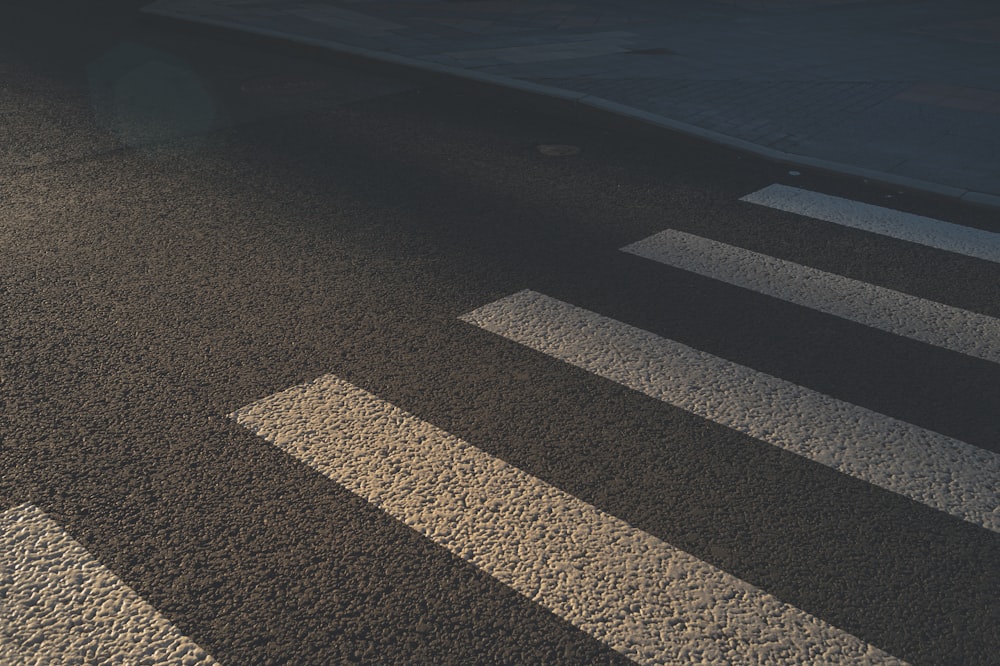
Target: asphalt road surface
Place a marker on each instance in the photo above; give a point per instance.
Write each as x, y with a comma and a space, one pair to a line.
307, 364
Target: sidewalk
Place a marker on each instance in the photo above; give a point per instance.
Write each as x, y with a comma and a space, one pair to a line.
902, 91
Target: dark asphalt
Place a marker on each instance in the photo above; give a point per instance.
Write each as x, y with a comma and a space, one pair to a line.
152, 284
902, 92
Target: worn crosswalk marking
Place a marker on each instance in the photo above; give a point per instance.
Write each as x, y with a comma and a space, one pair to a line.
879, 220
909, 316
58, 605
925, 466
648, 600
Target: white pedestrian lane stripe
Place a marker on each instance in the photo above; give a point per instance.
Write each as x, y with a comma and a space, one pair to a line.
879, 220
646, 599
925, 466
909, 316
58, 605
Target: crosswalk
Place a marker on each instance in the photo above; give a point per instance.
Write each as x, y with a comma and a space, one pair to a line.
925, 466
649, 600
879, 220
61, 606
860, 302
621, 585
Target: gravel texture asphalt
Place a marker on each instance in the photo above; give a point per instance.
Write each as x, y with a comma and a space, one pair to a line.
162, 269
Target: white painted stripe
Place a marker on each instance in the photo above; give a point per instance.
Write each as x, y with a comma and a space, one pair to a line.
58, 605
645, 598
925, 466
902, 314
885, 221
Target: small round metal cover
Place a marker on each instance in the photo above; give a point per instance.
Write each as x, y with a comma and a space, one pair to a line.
282, 85
557, 149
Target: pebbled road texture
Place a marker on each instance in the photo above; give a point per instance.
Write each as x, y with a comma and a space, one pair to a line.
158, 276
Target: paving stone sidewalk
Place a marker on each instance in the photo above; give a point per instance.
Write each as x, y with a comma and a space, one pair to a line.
905, 91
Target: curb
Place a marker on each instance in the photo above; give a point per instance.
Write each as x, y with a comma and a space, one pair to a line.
577, 104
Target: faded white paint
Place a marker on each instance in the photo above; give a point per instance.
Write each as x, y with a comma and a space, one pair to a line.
925, 466
58, 605
876, 219
885, 309
645, 598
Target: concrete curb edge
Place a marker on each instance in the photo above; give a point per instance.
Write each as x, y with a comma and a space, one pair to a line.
574, 100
